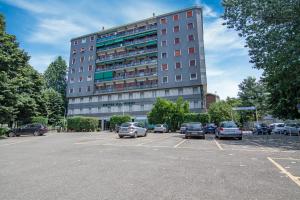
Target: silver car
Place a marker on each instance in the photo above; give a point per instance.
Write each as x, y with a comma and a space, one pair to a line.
277, 128
292, 129
228, 129
161, 128
132, 129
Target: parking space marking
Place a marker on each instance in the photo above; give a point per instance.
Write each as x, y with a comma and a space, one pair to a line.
151, 140
218, 145
288, 158
284, 171
181, 142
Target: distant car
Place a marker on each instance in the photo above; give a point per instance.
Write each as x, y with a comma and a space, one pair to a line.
194, 129
210, 128
35, 129
292, 129
183, 128
261, 129
277, 128
132, 129
228, 129
161, 128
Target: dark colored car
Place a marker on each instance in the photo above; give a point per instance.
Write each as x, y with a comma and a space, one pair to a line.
194, 129
210, 128
35, 129
262, 129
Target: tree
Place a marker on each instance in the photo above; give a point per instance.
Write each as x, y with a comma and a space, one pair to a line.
118, 120
54, 105
220, 111
272, 33
168, 112
55, 77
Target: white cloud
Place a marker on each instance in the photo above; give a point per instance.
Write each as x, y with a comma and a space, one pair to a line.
41, 61
208, 11
211, 72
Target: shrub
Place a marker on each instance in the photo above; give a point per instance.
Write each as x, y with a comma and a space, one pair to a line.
4, 131
79, 123
118, 120
197, 117
40, 120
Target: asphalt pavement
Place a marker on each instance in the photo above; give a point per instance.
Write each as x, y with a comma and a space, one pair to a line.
93, 166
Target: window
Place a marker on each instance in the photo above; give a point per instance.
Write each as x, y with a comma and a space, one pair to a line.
164, 67
176, 29
88, 90
142, 107
142, 95
83, 40
119, 96
177, 53
153, 93
165, 79
72, 71
130, 95
82, 49
192, 63
164, 55
92, 38
180, 91
99, 98
81, 69
191, 38
164, 31
191, 50
189, 14
163, 20
89, 78
82, 59
193, 76
79, 90
195, 90
109, 97
178, 78
119, 108
91, 48
91, 58
130, 108
190, 25
164, 43
73, 61
90, 67
176, 40
196, 104
167, 92
75, 42
80, 79
177, 65
71, 90
175, 17
72, 80
108, 109
74, 51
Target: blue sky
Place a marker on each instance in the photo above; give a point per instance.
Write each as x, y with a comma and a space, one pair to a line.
44, 29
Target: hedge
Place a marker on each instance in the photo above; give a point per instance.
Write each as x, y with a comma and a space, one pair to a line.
40, 120
85, 124
197, 117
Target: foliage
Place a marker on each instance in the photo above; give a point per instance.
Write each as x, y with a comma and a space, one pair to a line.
168, 112
54, 105
118, 120
40, 120
272, 33
220, 111
78, 123
4, 131
55, 77
204, 118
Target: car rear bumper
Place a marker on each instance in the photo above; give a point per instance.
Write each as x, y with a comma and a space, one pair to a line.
231, 135
126, 133
194, 133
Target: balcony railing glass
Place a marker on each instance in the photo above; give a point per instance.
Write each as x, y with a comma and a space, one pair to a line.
128, 76
132, 64
127, 88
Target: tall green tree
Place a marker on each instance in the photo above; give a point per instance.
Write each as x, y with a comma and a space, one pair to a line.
272, 33
55, 76
221, 111
54, 105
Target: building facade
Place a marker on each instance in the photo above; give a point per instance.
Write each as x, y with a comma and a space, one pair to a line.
123, 70
211, 98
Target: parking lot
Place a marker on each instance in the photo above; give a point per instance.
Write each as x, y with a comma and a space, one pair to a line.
159, 166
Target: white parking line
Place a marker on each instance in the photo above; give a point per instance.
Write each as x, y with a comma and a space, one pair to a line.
181, 142
292, 177
218, 145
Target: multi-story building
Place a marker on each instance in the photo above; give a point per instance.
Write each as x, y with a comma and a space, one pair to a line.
123, 70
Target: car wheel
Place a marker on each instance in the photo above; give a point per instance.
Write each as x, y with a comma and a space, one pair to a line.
135, 135
154, 131
186, 137
120, 136
145, 134
18, 135
11, 134
36, 133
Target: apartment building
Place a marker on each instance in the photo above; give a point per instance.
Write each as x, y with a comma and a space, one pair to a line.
122, 70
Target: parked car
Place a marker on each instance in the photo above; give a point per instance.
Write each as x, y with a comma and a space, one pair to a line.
35, 129
228, 129
117, 128
161, 128
292, 129
261, 129
210, 128
132, 129
183, 128
194, 129
277, 128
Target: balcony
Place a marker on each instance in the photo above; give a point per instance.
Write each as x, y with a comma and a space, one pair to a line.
127, 88
127, 76
137, 42
127, 33
129, 65
126, 55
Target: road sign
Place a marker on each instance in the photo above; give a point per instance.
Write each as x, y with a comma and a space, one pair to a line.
245, 108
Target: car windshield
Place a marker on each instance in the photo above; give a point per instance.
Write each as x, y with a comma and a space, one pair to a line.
280, 125
159, 125
229, 125
198, 125
126, 124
